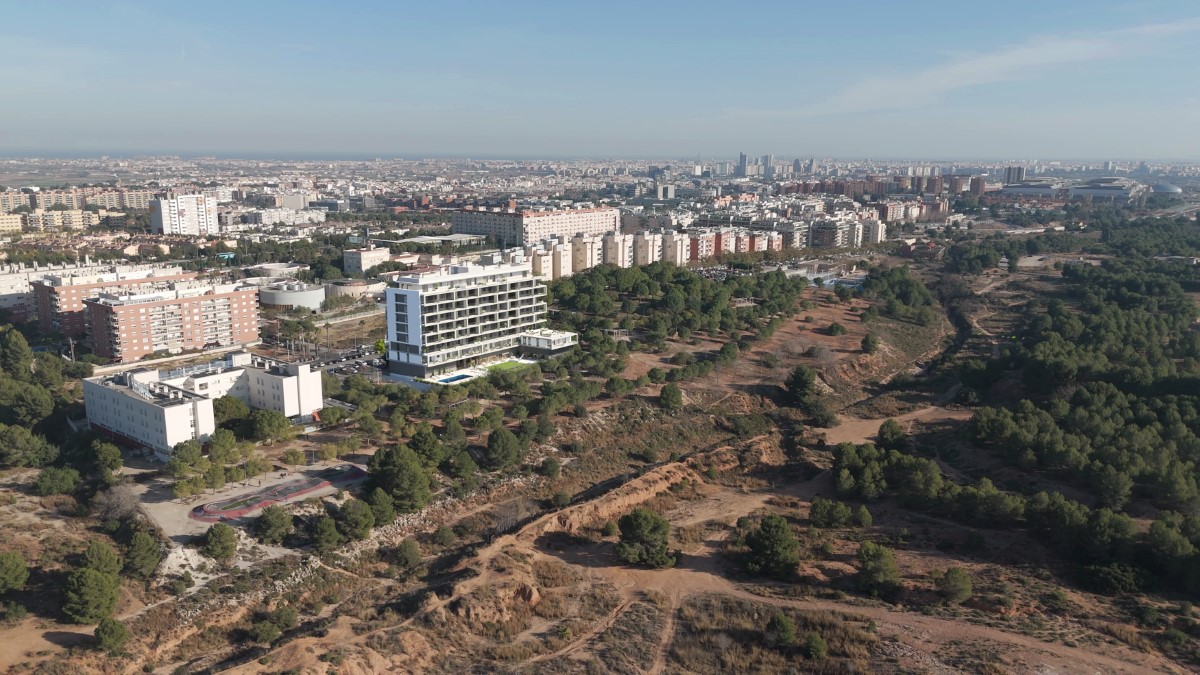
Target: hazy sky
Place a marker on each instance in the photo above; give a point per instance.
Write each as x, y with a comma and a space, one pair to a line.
885, 79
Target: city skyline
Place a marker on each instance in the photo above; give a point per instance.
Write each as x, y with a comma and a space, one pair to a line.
541, 80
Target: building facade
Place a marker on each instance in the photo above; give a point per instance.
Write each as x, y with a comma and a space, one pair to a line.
158, 410
363, 260
460, 315
191, 215
523, 227
60, 297
182, 316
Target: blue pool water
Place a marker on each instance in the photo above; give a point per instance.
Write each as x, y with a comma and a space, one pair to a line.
455, 378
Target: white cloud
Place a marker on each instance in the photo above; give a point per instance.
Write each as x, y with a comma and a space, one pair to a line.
1032, 58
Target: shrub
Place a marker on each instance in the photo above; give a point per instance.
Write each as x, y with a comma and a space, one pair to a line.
111, 635
90, 595
13, 571
781, 631
408, 553
325, 535
220, 542
877, 567
814, 647
143, 555
273, 525
383, 506
101, 557
955, 585
444, 536
774, 550
644, 537
560, 499
355, 519
829, 513
550, 468
265, 632
55, 480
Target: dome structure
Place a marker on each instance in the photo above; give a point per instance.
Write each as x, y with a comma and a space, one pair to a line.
1165, 188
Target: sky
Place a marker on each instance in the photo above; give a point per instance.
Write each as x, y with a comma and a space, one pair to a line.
884, 79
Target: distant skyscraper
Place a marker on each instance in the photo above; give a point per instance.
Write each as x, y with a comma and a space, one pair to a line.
1014, 174
1110, 166
978, 185
768, 161
743, 161
812, 166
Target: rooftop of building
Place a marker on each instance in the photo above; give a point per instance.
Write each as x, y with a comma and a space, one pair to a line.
110, 275
166, 388
415, 279
169, 291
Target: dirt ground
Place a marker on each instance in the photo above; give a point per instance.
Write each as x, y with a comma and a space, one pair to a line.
855, 430
911, 640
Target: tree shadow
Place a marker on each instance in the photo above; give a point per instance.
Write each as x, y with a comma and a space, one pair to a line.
66, 639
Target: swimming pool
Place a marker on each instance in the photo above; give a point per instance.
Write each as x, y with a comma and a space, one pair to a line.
454, 378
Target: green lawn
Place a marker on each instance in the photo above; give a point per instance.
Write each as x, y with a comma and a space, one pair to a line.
508, 365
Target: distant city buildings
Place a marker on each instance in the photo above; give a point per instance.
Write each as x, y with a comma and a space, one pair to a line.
529, 226
1014, 174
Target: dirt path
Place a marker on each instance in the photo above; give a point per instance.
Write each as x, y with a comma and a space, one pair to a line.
584, 638
856, 430
668, 637
700, 574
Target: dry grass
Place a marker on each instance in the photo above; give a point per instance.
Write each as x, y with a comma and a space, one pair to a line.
552, 573
720, 634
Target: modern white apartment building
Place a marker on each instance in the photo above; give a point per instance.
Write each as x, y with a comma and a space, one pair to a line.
551, 259
529, 226
460, 315
193, 215
159, 409
285, 216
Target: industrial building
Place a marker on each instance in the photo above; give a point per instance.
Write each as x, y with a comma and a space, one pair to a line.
158, 410
1116, 190
292, 295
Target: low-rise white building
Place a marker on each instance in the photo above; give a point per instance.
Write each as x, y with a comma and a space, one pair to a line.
159, 409
361, 260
